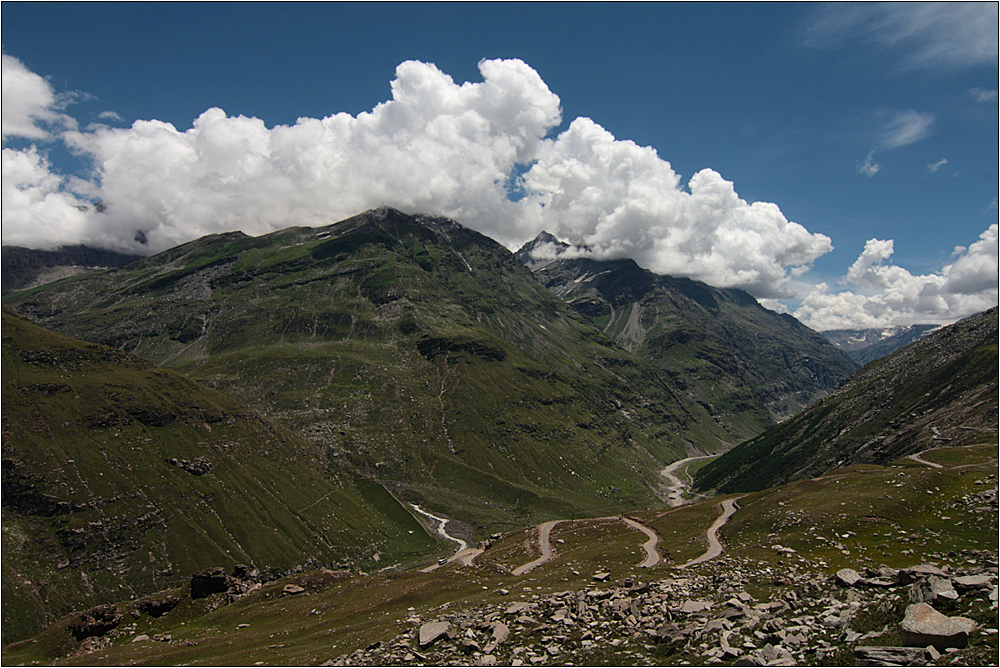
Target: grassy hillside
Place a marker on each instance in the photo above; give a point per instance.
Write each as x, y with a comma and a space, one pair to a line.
939, 391
416, 351
121, 479
782, 548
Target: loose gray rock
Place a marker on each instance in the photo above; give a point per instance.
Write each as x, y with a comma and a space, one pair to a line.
890, 656
923, 625
848, 577
970, 582
914, 573
431, 631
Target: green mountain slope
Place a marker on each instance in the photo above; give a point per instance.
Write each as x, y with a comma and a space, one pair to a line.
414, 350
749, 366
121, 479
939, 391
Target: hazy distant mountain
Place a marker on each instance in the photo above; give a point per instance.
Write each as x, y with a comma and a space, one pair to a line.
865, 345
744, 363
25, 267
939, 391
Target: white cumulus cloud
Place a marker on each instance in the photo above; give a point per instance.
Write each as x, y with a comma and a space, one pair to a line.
445, 148
435, 147
881, 294
30, 106
37, 210
622, 200
454, 149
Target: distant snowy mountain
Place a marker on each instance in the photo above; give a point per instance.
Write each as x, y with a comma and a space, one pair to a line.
865, 345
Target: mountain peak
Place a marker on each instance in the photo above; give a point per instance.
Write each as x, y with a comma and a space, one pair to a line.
543, 249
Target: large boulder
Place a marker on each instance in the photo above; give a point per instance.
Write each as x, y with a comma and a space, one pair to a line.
96, 621
848, 577
923, 625
210, 581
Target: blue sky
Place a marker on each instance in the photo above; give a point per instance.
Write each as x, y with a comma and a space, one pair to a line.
859, 122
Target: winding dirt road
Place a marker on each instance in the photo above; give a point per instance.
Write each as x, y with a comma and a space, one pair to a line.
544, 531
675, 486
464, 555
545, 543
917, 458
714, 546
652, 555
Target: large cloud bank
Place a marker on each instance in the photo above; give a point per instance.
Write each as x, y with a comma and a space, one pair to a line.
483, 153
437, 147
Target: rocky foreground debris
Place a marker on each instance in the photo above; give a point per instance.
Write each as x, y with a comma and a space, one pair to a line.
711, 617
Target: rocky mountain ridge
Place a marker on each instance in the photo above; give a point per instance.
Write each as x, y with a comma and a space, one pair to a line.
25, 268
731, 354
941, 390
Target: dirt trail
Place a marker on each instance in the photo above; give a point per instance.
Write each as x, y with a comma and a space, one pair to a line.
545, 543
675, 486
544, 531
714, 546
652, 556
917, 458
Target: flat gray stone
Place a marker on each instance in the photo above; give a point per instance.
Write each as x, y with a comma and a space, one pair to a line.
968, 582
894, 656
500, 632
517, 608
848, 577
923, 625
695, 606
914, 573
431, 631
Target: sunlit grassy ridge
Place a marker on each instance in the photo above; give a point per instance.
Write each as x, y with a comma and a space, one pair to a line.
98, 504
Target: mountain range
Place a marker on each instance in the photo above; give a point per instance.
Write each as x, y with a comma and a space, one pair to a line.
411, 350
865, 345
747, 363
285, 403
424, 355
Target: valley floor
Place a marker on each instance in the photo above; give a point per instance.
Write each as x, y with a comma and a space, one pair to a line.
810, 573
